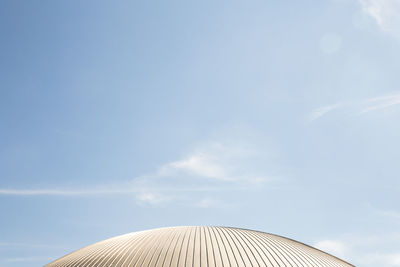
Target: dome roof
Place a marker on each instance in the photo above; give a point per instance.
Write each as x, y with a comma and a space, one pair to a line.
198, 246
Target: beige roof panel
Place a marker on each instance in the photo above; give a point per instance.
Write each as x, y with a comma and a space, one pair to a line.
199, 246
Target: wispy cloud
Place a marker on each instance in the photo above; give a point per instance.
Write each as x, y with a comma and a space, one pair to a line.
198, 164
72, 192
29, 259
360, 107
390, 213
321, 111
152, 198
206, 202
213, 161
381, 102
61, 192
210, 167
385, 13
14, 245
213, 166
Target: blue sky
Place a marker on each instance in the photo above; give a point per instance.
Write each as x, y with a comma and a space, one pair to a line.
279, 116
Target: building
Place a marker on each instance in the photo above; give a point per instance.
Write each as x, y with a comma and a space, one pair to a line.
198, 246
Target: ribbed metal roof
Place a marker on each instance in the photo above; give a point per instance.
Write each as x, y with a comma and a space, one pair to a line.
198, 246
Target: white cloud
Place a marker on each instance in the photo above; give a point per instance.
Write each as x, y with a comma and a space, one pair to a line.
213, 161
360, 107
386, 13
367, 251
394, 259
129, 190
151, 198
379, 259
321, 111
206, 203
62, 192
199, 164
381, 102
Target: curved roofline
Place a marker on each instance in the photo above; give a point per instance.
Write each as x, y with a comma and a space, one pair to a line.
229, 227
